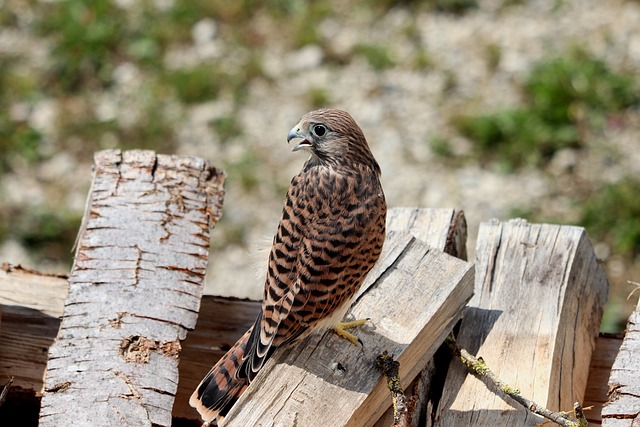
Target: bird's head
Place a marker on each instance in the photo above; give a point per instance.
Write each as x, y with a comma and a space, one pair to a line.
332, 138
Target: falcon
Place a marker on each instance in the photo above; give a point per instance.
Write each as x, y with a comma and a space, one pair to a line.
330, 235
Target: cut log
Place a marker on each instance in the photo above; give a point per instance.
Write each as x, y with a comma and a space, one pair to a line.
134, 290
623, 407
540, 292
443, 229
446, 230
414, 296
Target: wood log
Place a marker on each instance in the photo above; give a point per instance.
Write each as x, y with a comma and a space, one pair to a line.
446, 230
32, 306
414, 296
623, 406
540, 293
134, 290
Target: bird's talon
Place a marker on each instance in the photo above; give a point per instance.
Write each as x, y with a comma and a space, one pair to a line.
341, 330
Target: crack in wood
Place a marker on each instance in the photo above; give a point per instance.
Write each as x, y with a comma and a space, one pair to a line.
59, 388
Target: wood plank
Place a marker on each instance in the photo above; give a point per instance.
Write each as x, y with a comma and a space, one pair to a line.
597, 392
446, 230
32, 305
134, 290
443, 229
540, 293
414, 296
623, 407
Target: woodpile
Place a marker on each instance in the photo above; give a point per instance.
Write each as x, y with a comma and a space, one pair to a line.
128, 335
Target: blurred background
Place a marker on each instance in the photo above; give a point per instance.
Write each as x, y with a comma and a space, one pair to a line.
502, 108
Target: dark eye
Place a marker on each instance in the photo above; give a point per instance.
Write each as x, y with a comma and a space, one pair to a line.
319, 130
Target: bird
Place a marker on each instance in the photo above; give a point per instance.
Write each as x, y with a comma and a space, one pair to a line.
330, 235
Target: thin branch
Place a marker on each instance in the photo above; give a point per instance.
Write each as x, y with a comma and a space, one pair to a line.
480, 368
390, 368
5, 390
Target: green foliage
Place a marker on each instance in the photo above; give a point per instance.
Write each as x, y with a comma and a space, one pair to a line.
441, 147
454, 6
196, 84
377, 56
457, 7
244, 171
494, 56
563, 90
318, 97
89, 39
613, 214
562, 95
515, 138
48, 234
422, 60
17, 140
227, 127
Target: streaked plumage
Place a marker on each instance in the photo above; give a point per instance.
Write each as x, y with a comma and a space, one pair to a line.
330, 235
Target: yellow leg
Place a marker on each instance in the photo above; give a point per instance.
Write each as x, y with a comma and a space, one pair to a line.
341, 330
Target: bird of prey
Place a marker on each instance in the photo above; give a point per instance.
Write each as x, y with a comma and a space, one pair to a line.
330, 235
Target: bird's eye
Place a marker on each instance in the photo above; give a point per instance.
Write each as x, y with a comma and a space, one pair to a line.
319, 130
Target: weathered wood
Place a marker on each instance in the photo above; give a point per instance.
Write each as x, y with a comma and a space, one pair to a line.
220, 323
535, 315
596, 393
623, 407
414, 296
446, 230
443, 229
134, 290
32, 306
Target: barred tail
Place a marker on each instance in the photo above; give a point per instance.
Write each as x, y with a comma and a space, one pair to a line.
221, 388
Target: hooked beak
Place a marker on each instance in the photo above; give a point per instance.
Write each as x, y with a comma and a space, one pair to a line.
295, 133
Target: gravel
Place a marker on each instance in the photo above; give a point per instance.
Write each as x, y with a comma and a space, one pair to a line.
401, 109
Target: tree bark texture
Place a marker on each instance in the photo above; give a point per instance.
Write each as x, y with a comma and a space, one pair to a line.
134, 290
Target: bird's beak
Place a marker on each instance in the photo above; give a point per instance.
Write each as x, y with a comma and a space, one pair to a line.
296, 133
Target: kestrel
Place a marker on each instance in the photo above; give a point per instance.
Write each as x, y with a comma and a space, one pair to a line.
330, 235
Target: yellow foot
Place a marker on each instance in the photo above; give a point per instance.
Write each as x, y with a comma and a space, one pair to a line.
341, 330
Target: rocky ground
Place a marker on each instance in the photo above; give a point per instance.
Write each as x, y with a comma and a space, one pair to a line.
422, 68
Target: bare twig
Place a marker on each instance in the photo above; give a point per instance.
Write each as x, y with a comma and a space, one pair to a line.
479, 367
637, 287
390, 368
5, 390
